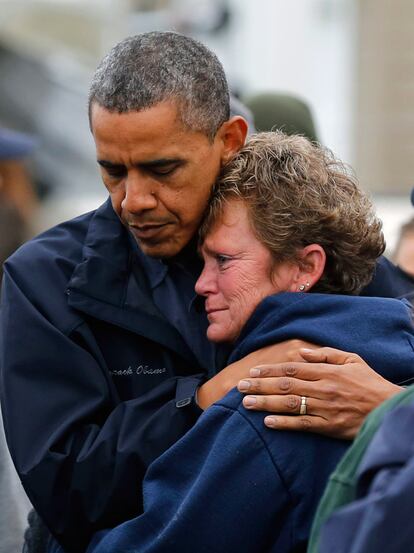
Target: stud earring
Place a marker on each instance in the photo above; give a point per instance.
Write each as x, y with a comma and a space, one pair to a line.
303, 287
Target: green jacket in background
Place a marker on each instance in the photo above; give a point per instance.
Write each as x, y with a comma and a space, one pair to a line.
342, 484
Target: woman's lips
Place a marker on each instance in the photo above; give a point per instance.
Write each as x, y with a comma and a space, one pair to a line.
212, 311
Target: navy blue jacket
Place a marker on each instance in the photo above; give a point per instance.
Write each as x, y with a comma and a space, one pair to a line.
232, 485
381, 516
390, 281
95, 383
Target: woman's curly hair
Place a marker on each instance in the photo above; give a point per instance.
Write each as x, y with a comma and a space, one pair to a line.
298, 194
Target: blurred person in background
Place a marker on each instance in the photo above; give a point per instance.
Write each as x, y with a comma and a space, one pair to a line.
17, 196
284, 112
404, 251
397, 275
102, 340
17, 202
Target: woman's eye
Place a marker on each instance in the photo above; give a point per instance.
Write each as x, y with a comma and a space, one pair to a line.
222, 260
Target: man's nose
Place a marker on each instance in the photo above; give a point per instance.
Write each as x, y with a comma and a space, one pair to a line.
206, 283
140, 194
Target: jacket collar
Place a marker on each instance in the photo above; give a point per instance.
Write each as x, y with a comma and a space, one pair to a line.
101, 284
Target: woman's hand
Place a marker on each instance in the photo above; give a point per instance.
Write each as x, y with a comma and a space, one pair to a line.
339, 387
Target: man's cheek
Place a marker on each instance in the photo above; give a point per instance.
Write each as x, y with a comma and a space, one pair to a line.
116, 200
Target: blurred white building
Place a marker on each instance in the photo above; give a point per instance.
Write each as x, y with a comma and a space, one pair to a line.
349, 59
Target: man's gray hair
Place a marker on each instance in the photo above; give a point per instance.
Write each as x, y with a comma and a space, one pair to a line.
143, 70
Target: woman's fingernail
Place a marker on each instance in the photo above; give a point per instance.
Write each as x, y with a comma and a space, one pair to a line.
244, 386
306, 350
254, 372
249, 401
270, 421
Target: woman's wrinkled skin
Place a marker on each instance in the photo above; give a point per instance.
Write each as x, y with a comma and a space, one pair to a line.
238, 273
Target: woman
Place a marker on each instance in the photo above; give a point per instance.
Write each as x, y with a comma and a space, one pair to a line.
285, 220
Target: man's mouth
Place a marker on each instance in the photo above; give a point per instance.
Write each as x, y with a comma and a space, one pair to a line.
147, 230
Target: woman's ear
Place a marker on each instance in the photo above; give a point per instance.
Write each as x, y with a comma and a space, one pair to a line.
312, 265
233, 135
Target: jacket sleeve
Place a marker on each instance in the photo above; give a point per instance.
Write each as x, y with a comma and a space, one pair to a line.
215, 490
381, 517
81, 453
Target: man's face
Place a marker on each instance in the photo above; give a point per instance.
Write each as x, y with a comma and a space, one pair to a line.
158, 173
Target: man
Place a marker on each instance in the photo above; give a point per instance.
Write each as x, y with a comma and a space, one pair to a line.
17, 196
103, 347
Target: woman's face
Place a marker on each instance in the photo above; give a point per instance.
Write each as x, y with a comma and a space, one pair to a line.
238, 273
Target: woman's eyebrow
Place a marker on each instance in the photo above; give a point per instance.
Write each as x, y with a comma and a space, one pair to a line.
205, 249
220, 251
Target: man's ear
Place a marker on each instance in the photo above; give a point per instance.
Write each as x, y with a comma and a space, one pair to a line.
311, 268
233, 134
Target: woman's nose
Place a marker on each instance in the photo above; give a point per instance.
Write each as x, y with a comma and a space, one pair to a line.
205, 284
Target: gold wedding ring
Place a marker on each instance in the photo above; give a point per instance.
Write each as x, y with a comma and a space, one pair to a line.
303, 406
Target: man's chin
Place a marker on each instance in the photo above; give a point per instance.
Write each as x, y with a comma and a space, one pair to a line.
162, 250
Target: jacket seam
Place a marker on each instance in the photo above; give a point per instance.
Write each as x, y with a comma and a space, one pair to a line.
73, 327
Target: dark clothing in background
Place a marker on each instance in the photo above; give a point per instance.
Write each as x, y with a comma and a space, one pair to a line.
390, 281
106, 381
368, 504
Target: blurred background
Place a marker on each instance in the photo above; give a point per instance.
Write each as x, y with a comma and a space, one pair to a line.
351, 61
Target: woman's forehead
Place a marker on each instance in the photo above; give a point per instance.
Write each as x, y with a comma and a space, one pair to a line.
232, 231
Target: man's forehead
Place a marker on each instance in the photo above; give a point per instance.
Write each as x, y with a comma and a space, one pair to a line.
167, 110
153, 130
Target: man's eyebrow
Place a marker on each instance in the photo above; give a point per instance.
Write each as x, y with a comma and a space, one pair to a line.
108, 164
162, 162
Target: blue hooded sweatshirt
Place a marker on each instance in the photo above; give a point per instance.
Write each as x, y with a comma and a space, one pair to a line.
231, 485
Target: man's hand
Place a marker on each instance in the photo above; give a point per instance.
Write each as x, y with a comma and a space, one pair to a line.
218, 386
339, 387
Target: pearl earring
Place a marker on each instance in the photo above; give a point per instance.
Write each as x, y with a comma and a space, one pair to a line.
302, 287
